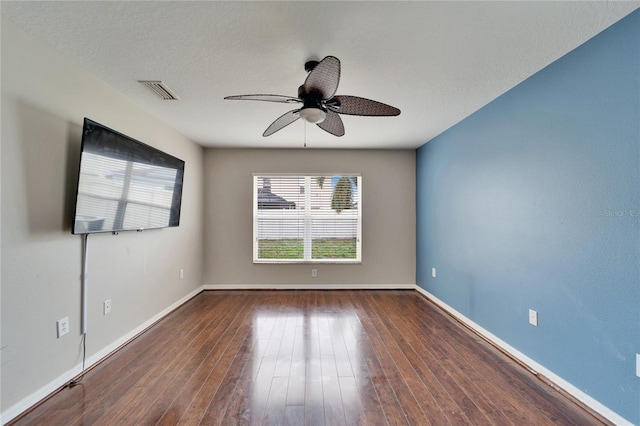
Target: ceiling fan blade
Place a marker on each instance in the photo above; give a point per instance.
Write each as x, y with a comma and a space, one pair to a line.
282, 121
354, 105
267, 98
332, 124
323, 80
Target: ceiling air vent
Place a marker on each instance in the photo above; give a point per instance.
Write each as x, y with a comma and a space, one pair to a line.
160, 89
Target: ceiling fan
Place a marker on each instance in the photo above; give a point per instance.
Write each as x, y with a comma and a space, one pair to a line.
320, 105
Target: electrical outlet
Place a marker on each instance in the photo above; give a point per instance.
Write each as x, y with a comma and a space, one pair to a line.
533, 317
433, 272
107, 306
314, 273
63, 326
181, 273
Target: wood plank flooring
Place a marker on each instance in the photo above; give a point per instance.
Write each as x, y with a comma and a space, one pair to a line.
308, 358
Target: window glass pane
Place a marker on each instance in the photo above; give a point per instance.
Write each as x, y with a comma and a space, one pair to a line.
335, 220
280, 216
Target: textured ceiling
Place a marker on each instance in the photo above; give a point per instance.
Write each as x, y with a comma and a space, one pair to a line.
436, 61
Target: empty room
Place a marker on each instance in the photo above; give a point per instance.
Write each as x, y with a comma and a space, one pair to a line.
320, 213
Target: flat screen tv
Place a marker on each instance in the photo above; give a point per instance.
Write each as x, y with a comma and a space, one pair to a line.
125, 185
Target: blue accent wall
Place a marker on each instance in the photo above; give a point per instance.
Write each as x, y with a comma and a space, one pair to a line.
533, 202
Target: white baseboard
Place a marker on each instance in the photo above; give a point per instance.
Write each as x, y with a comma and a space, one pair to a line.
37, 396
532, 365
309, 287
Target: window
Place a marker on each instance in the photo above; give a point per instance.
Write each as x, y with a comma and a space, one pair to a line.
308, 218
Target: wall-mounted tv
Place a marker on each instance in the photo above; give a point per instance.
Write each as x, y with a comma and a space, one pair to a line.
124, 184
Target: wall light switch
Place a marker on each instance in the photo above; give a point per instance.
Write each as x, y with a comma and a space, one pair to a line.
433, 272
314, 273
638, 365
533, 317
107, 306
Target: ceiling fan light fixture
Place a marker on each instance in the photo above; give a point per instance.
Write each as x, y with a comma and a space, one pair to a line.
313, 115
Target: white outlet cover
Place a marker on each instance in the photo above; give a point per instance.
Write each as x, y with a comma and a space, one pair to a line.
314, 273
638, 365
107, 307
63, 326
433, 272
533, 317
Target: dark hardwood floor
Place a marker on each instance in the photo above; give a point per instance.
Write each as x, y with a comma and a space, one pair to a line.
308, 358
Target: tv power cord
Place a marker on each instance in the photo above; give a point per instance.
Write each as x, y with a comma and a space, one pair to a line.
77, 381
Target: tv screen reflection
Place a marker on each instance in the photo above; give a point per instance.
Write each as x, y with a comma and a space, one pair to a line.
114, 194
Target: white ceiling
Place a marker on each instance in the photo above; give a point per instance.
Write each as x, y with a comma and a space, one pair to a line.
436, 61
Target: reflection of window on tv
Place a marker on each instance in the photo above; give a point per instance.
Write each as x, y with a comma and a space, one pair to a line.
127, 196
122, 187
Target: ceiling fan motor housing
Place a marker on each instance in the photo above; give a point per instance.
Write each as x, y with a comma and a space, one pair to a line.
313, 110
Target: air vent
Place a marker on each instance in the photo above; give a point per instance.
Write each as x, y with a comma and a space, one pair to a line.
160, 89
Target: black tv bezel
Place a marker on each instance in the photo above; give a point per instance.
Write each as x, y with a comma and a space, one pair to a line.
150, 149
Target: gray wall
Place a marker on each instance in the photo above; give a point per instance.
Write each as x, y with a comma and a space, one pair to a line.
388, 216
44, 100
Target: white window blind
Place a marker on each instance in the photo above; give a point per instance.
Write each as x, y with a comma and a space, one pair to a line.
307, 218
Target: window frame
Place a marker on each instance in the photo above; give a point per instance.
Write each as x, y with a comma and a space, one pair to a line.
308, 220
